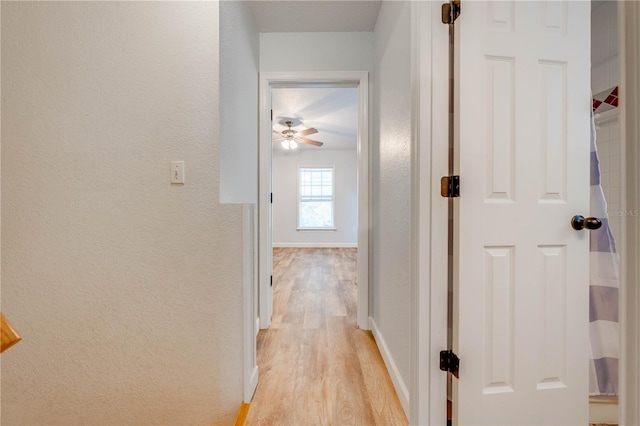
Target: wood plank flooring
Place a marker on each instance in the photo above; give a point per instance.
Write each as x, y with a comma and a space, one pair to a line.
315, 366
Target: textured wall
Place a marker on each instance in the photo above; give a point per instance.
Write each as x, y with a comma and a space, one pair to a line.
126, 289
285, 201
239, 56
391, 171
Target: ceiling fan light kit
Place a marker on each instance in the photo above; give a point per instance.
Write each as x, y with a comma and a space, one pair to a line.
290, 138
289, 144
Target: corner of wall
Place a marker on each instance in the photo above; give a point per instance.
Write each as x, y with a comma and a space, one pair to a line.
239, 63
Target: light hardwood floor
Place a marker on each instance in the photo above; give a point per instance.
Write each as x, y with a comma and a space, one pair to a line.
315, 366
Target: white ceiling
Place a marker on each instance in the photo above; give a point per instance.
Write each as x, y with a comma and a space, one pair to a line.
315, 16
332, 111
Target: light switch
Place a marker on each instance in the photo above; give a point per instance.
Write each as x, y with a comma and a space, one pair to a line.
177, 172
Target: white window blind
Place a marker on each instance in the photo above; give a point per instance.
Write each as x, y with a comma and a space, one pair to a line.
316, 199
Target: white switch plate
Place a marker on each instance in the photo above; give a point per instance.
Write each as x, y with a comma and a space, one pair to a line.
177, 172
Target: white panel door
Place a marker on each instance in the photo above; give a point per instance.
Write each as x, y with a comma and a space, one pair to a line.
523, 100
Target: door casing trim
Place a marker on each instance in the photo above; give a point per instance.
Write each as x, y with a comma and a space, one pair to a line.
629, 362
430, 153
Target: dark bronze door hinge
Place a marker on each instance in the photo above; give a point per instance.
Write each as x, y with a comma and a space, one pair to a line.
450, 12
449, 362
450, 186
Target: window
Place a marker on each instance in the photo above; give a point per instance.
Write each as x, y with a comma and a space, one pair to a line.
315, 197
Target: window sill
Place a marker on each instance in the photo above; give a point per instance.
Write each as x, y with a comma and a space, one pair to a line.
316, 229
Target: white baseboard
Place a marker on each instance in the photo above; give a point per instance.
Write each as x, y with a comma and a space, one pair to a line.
398, 383
316, 245
253, 384
603, 410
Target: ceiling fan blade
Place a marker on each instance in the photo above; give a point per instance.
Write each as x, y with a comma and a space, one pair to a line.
277, 132
279, 139
309, 141
307, 132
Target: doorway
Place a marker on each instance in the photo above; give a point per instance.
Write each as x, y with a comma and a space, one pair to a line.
517, 281
430, 279
314, 186
310, 80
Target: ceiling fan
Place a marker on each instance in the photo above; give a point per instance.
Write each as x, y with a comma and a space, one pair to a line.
291, 138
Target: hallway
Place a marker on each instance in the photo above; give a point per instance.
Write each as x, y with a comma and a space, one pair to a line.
316, 366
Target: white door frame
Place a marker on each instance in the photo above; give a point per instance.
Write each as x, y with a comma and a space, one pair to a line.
326, 79
430, 153
629, 365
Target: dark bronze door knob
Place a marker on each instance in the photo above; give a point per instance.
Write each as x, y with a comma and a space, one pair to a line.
579, 222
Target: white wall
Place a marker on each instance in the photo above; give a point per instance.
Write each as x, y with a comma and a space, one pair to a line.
604, 76
126, 289
285, 198
604, 46
391, 170
239, 56
316, 51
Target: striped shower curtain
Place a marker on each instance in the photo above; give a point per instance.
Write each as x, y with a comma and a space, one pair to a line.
603, 290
